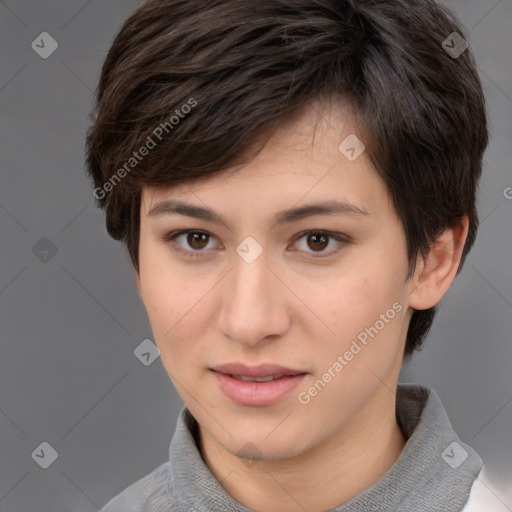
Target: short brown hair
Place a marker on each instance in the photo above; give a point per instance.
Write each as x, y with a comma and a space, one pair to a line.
249, 65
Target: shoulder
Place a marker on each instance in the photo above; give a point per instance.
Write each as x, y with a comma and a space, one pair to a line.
484, 497
151, 493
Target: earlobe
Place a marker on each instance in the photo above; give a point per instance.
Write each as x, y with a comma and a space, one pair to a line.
435, 273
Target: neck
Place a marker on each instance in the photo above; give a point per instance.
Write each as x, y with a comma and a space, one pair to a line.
326, 476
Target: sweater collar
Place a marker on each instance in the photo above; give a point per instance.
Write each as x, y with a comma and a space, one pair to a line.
434, 472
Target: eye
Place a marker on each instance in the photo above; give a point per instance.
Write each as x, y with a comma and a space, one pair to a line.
318, 240
197, 242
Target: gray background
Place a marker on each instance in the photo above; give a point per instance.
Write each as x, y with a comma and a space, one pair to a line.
70, 321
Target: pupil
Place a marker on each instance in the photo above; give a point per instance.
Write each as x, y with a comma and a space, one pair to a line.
196, 237
319, 236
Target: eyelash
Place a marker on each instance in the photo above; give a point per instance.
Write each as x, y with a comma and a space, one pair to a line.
200, 253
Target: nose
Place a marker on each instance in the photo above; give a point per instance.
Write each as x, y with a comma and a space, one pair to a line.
253, 302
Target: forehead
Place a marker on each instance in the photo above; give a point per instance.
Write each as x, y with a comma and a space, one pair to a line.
305, 160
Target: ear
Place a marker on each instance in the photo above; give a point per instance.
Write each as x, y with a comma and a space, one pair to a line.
435, 273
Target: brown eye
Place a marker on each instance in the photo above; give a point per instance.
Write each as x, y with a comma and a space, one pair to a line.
317, 241
197, 239
192, 243
314, 243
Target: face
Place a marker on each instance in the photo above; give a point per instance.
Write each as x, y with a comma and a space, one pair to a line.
323, 294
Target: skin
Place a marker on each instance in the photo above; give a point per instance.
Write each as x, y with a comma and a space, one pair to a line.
290, 308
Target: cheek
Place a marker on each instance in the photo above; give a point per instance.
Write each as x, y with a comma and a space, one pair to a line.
159, 294
348, 304
178, 306
351, 308
166, 292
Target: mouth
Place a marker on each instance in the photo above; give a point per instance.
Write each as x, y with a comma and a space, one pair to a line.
266, 371
257, 379
257, 386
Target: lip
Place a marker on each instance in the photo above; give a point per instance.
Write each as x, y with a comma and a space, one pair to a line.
262, 370
256, 393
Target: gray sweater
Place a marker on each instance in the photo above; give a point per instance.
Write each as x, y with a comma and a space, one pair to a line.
434, 473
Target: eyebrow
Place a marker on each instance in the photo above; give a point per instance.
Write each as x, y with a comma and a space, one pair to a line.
331, 207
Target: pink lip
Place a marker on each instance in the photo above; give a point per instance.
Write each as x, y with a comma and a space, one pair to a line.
257, 393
